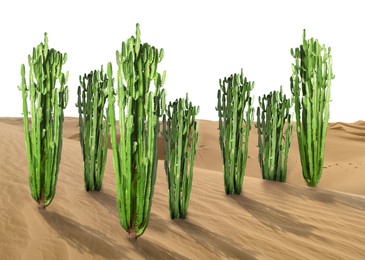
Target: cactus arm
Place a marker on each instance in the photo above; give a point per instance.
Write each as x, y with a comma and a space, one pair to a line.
28, 143
106, 134
178, 162
288, 138
166, 124
35, 144
146, 198
92, 102
259, 127
228, 176
193, 149
47, 133
249, 118
113, 138
234, 153
81, 122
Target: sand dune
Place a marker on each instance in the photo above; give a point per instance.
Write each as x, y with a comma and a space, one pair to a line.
268, 220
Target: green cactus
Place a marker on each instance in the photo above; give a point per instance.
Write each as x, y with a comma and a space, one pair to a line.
94, 127
135, 153
180, 145
43, 134
274, 135
235, 113
310, 85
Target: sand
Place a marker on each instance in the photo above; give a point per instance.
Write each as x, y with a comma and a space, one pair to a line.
269, 220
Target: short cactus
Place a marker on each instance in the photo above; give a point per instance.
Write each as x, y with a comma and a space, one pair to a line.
180, 144
311, 85
94, 127
135, 153
43, 134
274, 135
235, 113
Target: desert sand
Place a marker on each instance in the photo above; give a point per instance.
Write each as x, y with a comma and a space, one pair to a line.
269, 220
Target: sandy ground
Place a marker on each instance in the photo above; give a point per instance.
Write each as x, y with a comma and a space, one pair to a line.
268, 220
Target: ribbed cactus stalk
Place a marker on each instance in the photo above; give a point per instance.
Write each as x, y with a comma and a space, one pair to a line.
94, 127
43, 133
235, 113
274, 135
180, 144
310, 85
135, 153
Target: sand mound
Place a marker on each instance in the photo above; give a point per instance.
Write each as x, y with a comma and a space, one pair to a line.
356, 128
268, 220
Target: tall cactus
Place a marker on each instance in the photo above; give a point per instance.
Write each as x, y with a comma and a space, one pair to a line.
310, 85
180, 145
135, 153
43, 134
274, 135
235, 113
94, 127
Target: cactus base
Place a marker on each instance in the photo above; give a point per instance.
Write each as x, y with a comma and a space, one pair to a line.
132, 235
312, 184
41, 205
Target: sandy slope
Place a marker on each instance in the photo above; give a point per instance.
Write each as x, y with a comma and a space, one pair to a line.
267, 221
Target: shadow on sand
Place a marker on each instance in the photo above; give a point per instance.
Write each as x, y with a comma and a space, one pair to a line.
274, 218
108, 201
92, 241
316, 194
327, 197
302, 192
82, 237
148, 249
222, 246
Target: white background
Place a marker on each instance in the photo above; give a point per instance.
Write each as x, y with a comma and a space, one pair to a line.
203, 41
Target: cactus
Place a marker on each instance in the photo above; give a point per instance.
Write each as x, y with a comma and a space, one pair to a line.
135, 153
94, 126
235, 113
310, 85
43, 133
180, 145
273, 116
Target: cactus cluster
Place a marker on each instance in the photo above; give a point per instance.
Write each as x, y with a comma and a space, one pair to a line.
135, 153
310, 85
94, 127
134, 135
43, 134
274, 135
180, 144
235, 113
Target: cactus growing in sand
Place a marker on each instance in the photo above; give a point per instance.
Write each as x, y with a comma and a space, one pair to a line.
135, 153
180, 145
274, 135
43, 133
94, 127
310, 85
235, 113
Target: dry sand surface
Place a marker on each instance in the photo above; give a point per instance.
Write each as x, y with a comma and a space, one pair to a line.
268, 220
